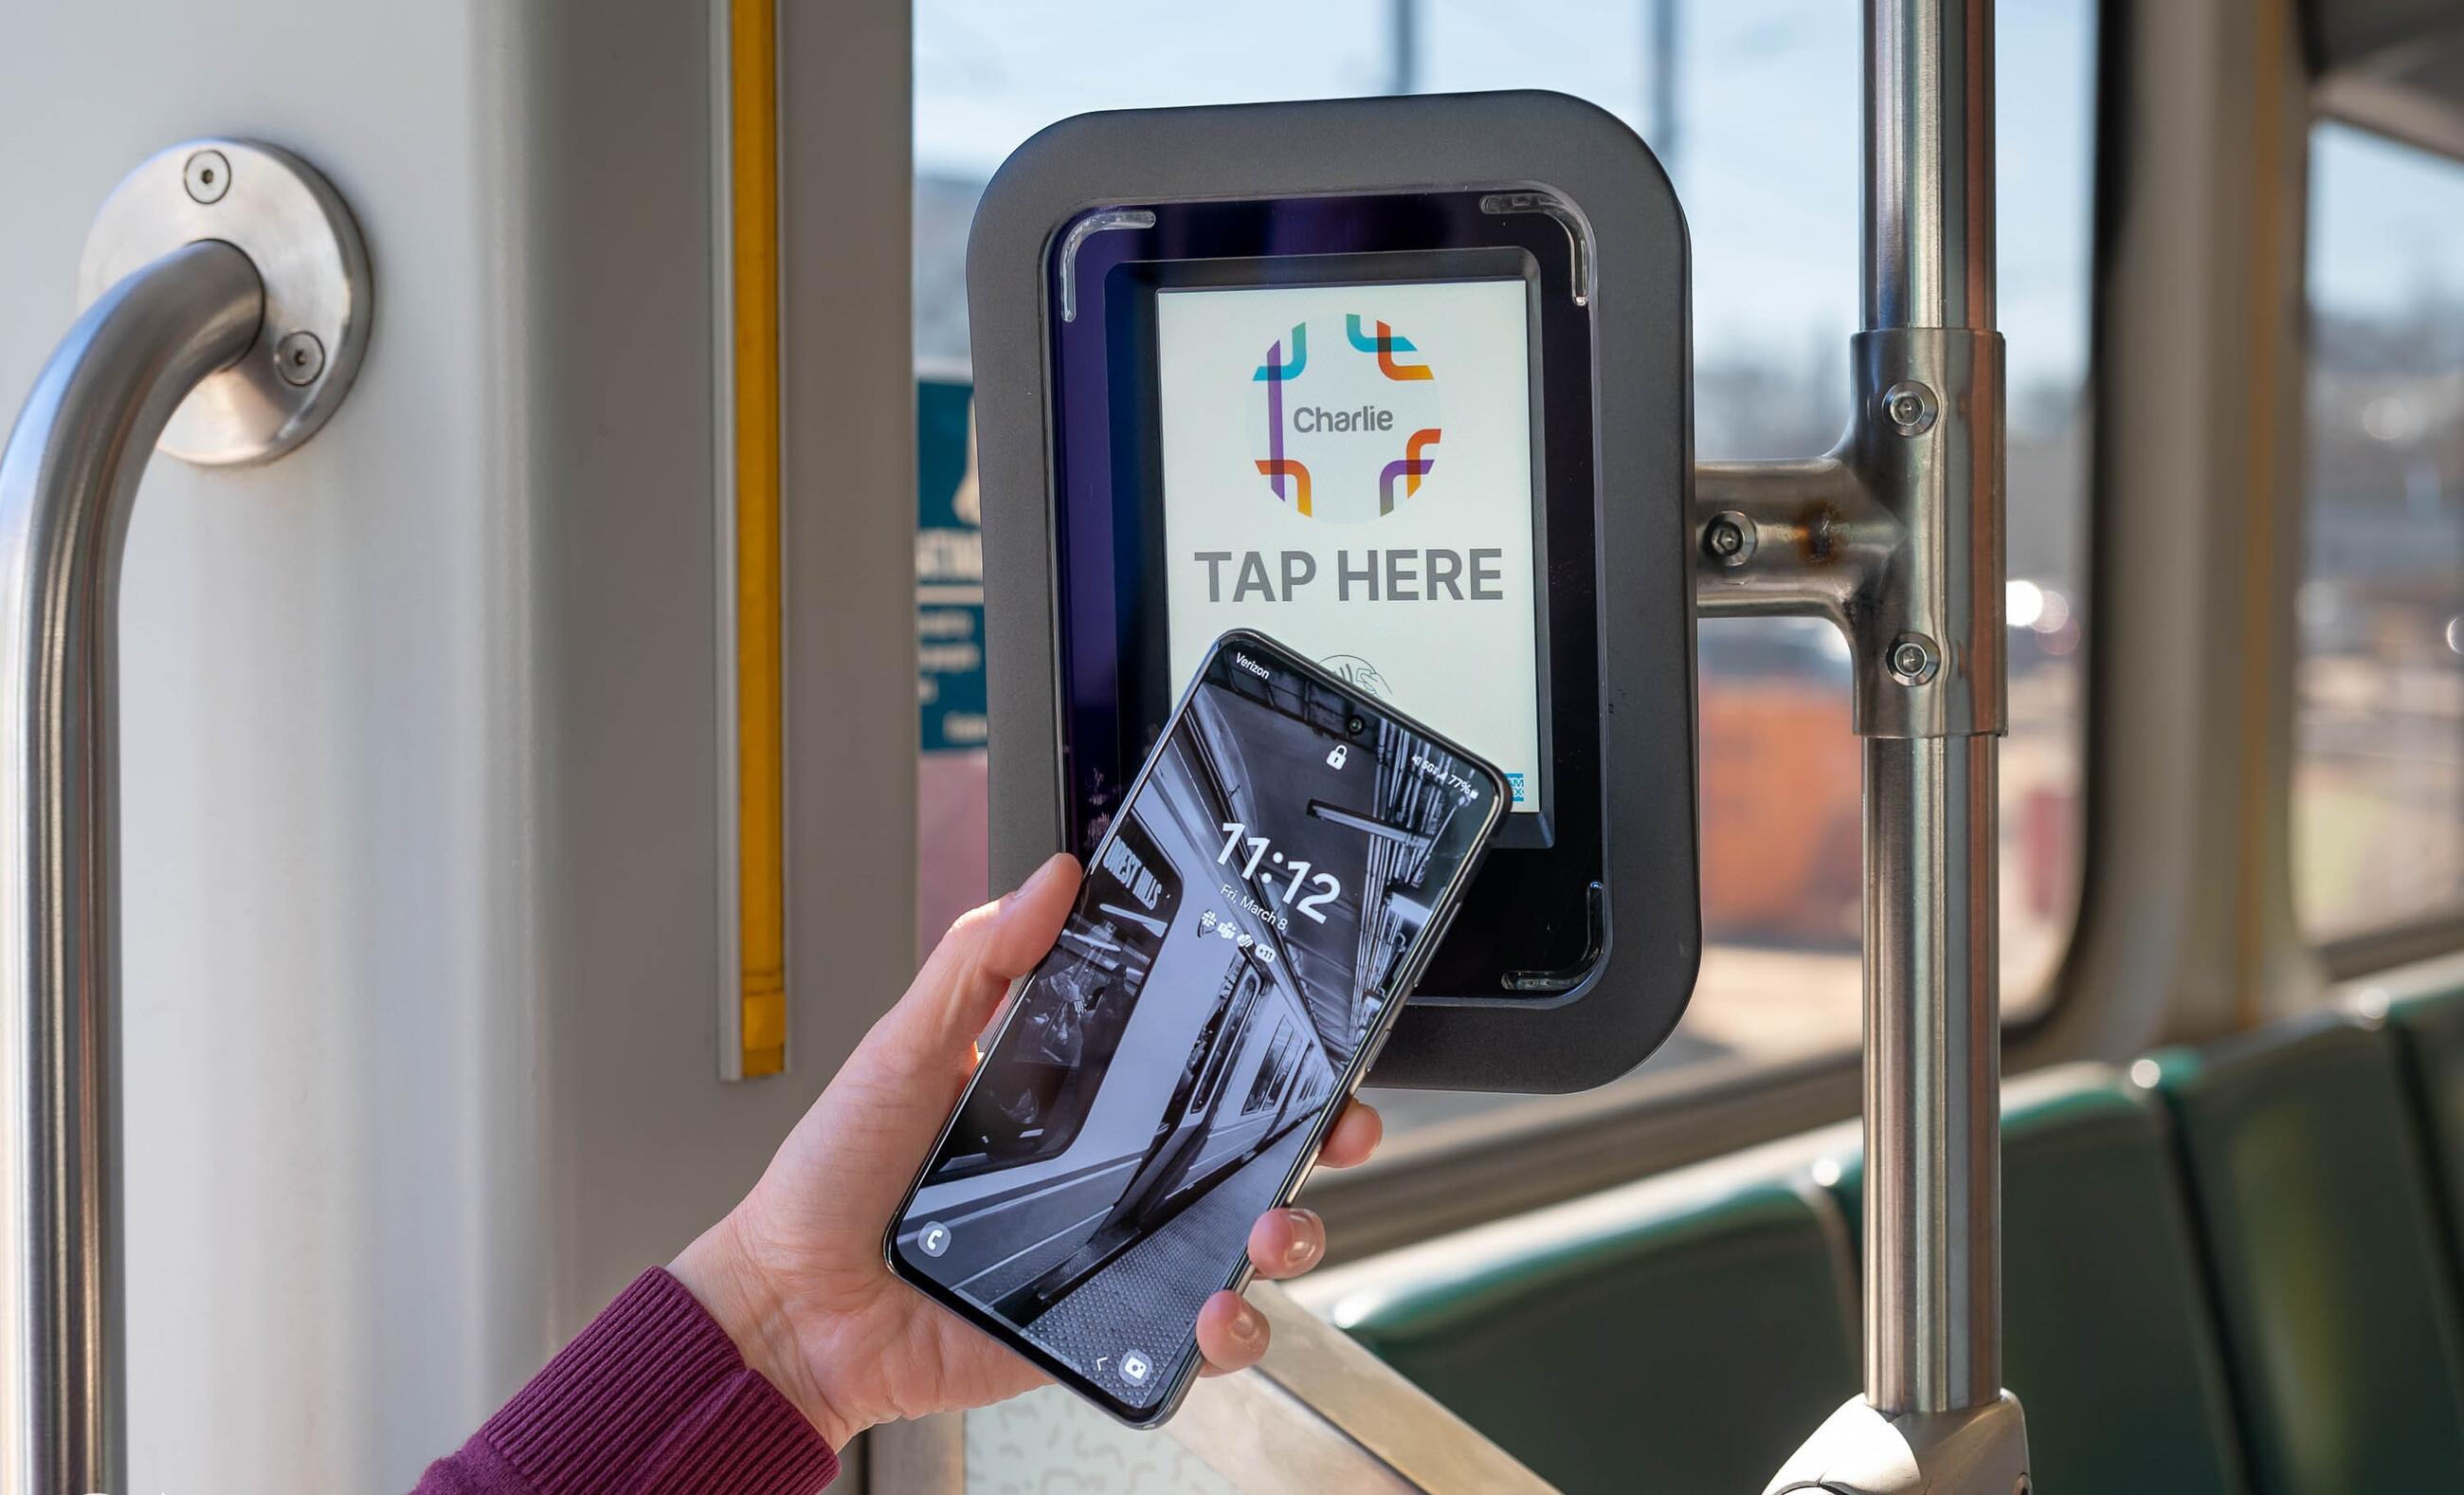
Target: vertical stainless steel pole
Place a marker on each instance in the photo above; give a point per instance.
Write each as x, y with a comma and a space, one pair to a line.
1906, 514
1932, 996
66, 481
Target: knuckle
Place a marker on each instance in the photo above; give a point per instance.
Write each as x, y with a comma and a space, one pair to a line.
971, 923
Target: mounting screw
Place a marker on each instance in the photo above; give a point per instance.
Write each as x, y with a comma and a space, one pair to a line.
1729, 538
1913, 658
1910, 407
206, 176
300, 358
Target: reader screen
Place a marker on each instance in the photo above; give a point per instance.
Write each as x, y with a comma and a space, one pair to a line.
1348, 469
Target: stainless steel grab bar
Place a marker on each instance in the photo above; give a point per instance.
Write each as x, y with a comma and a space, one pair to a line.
66, 481
196, 313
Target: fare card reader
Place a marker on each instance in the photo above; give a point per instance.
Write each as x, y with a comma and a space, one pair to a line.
1403, 382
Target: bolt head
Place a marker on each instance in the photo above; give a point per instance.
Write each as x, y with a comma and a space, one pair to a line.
206, 176
1909, 407
1913, 659
300, 358
1729, 538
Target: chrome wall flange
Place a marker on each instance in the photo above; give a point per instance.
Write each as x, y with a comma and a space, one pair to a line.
282, 214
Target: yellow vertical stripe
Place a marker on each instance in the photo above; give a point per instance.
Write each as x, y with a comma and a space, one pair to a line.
761, 872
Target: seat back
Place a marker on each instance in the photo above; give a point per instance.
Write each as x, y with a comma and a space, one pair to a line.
2107, 1336
1684, 1348
2335, 1298
2107, 1341
2430, 1032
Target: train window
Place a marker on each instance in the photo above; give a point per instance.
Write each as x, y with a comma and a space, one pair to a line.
1260, 1090
1270, 1074
1219, 1055
1754, 106
2378, 786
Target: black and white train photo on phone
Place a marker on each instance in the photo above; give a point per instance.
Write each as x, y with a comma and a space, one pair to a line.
1114, 1152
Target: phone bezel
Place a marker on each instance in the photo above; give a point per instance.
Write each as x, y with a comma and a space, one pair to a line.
1356, 1068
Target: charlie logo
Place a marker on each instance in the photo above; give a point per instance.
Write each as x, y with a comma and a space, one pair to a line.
1343, 434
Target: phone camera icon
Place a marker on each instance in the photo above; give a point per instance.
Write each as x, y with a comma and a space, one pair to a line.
1334, 759
934, 1240
1135, 1368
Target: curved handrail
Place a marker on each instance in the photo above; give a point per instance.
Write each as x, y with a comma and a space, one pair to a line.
67, 480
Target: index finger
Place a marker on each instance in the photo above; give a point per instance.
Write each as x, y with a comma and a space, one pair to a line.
1353, 1136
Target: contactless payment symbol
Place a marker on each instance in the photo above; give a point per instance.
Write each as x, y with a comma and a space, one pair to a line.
1347, 435
1357, 673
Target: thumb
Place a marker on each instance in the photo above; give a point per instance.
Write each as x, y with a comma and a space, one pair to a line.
873, 1122
933, 1027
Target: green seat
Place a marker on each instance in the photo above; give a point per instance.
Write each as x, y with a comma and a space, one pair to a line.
2430, 1032
2105, 1338
1689, 1350
2335, 1298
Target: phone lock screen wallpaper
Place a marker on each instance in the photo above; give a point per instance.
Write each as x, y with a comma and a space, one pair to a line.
1237, 939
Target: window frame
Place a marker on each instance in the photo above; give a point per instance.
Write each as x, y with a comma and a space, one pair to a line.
1482, 1165
1478, 1167
2361, 103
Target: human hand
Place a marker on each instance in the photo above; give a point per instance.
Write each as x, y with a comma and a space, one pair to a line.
795, 1274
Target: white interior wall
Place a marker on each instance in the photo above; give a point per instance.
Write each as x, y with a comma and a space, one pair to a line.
417, 726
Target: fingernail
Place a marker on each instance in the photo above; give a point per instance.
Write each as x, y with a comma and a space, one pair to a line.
1245, 1325
1305, 1241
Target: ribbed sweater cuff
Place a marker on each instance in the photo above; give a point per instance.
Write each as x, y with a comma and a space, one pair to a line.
654, 1396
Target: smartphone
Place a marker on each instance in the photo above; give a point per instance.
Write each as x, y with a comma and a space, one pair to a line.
1251, 920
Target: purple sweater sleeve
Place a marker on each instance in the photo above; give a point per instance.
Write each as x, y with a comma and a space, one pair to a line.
651, 1396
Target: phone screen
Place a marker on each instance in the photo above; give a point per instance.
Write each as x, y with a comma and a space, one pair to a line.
1162, 1077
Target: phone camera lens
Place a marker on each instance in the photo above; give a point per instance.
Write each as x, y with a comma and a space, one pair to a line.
1356, 723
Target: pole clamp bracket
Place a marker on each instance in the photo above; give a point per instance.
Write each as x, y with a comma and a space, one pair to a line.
1895, 535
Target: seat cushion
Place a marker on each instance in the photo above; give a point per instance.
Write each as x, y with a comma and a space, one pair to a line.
1685, 1351
2337, 1308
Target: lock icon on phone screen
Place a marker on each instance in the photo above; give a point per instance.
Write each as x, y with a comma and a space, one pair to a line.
1334, 759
